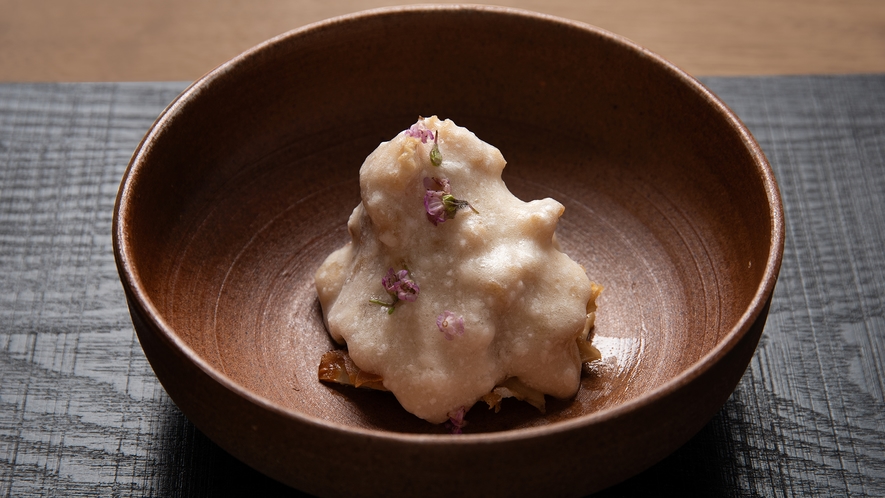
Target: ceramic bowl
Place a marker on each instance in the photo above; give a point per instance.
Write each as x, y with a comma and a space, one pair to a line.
244, 184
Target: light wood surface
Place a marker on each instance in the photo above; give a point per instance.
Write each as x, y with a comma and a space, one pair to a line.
129, 40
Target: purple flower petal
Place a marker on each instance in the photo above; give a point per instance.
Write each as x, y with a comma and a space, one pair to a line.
389, 282
434, 206
439, 203
456, 421
446, 186
450, 324
419, 131
400, 285
407, 289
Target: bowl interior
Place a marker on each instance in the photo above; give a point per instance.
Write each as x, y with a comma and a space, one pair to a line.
246, 183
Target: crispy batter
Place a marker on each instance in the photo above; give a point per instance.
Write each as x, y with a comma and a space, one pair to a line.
336, 366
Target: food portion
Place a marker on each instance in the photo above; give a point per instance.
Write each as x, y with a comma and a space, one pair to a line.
452, 290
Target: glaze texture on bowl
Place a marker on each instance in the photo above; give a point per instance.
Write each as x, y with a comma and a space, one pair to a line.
243, 186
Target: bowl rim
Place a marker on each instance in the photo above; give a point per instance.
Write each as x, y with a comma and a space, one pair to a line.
137, 295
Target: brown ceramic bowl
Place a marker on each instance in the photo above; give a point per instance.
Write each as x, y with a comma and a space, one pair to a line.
244, 184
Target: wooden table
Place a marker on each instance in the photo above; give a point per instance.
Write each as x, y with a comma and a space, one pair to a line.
82, 414
129, 40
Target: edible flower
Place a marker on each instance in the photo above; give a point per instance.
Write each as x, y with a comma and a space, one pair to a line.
439, 203
456, 421
419, 131
400, 286
450, 324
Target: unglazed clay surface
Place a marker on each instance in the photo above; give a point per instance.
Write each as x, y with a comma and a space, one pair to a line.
245, 185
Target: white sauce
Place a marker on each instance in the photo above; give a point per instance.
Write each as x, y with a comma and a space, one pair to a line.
522, 300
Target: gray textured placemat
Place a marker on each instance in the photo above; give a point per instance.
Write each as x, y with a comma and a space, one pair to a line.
81, 412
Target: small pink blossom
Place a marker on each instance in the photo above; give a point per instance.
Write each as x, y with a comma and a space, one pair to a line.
435, 207
456, 421
439, 203
419, 131
438, 184
400, 286
450, 324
